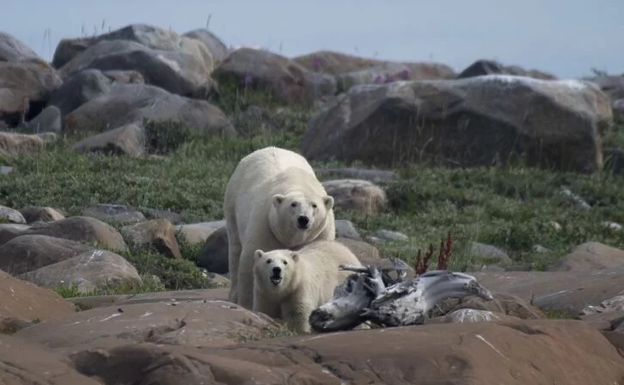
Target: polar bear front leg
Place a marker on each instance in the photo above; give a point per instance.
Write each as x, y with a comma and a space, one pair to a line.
264, 305
296, 316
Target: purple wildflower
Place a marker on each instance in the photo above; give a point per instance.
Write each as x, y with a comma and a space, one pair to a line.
378, 79
248, 80
405, 74
390, 78
316, 63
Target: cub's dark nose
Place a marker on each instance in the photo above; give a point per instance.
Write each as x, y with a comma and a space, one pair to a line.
277, 270
303, 221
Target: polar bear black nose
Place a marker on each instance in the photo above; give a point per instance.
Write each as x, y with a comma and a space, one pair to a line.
303, 221
277, 270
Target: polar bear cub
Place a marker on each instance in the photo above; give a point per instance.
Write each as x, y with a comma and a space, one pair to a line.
273, 200
291, 284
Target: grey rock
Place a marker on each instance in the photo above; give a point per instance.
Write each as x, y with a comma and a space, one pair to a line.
48, 120
346, 229
78, 89
482, 250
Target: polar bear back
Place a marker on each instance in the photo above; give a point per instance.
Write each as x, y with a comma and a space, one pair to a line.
270, 170
268, 163
319, 263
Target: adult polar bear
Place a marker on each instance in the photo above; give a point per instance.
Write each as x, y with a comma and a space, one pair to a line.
273, 200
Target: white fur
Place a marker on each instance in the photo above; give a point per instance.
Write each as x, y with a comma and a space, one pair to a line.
309, 277
269, 189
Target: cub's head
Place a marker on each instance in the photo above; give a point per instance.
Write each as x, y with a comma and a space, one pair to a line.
274, 270
298, 213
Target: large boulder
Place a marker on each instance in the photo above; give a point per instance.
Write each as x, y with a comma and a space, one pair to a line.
129, 139
590, 256
282, 78
465, 122
388, 72
41, 214
24, 83
217, 48
13, 50
48, 120
8, 214
157, 233
91, 270
337, 63
197, 233
78, 228
355, 195
78, 89
182, 72
491, 67
147, 35
31, 252
334, 63
213, 255
131, 103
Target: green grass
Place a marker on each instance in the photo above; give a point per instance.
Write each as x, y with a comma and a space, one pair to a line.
560, 314
615, 136
506, 207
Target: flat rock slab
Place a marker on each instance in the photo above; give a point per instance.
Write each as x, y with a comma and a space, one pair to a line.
571, 291
163, 296
503, 352
194, 323
22, 363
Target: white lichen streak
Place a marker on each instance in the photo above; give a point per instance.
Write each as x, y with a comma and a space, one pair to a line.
95, 253
473, 315
572, 84
147, 314
110, 317
554, 294
322, 336
492, 346
171, 63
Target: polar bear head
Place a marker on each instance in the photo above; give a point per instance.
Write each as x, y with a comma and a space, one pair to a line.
275, 270
297, 218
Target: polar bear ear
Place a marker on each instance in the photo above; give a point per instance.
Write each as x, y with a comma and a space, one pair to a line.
328, 201
294, 256
258, 254
278, 199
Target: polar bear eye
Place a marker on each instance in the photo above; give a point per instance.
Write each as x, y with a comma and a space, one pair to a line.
313, 205
294, 204
268, 261
285, 262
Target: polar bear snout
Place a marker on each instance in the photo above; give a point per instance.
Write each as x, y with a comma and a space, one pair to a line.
303, 222
276, 276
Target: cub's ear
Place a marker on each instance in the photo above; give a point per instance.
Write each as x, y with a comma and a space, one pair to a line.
294, 256
328, 201
278, 199
258, 254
